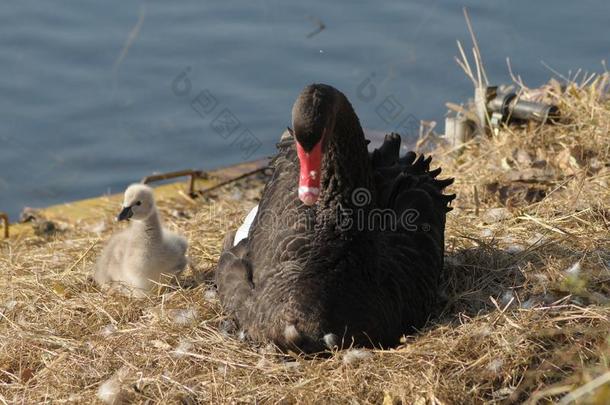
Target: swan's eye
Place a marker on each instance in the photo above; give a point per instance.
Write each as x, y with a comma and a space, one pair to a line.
138, 202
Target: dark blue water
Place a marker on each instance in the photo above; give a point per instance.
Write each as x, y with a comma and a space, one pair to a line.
87, 103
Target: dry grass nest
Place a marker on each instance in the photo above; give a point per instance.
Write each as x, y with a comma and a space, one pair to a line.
523, 315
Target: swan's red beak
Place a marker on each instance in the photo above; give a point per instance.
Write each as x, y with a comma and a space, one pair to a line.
309, 178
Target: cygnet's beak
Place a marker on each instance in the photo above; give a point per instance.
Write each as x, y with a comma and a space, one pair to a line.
125, 214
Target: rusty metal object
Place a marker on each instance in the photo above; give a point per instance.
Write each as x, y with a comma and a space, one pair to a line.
230, 172
4, 219
229, 175
232, 180
192, 174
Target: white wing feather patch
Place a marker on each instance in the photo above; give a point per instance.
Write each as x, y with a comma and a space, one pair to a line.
244, 229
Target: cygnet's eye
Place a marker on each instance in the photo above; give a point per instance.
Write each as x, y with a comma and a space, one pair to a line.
138, 202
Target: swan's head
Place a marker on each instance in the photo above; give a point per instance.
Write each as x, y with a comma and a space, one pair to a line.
138, 203
313, 121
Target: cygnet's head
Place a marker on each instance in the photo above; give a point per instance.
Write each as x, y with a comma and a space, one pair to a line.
138, 203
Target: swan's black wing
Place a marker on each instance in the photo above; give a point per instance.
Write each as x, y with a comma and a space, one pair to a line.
251, 277
412, 254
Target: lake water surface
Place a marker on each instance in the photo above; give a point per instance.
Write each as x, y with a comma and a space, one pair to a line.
91, 97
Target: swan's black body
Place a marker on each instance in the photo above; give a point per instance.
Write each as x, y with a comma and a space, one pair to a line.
342, 268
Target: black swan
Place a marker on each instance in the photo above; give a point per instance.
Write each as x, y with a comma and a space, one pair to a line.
347, 247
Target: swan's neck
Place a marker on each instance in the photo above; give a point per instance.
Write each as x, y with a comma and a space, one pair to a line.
150, 227
346, 169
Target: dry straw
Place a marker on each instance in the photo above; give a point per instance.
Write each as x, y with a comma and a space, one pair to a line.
523, 315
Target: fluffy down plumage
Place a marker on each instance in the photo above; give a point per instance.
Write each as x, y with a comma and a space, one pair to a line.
137, 257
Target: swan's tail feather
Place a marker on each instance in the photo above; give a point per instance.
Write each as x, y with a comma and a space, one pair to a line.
434, 173
444, 183
388, 153
396, 174
407, 159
